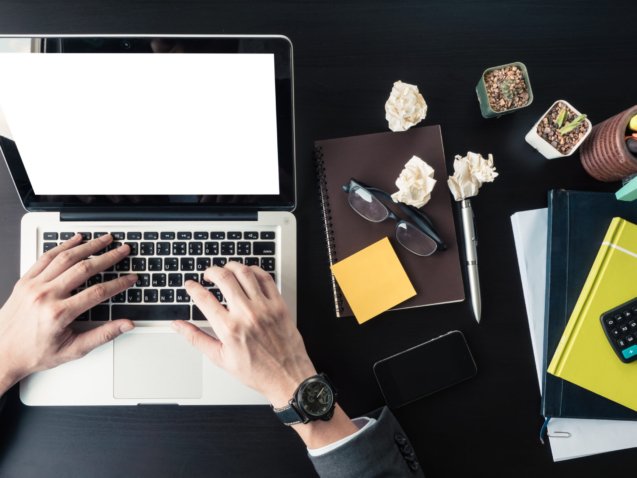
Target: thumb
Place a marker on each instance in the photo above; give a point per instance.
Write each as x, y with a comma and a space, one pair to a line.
91, 339
206, 344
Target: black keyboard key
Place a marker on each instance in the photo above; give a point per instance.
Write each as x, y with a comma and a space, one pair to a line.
143, 280
217, 235
150, 236
118, 236
155, 264
166, 295
96, 279
163, 248
47, 246
218, 295
219, 261
182, 235
171, 264
187, 264
234, 235
227, 248
159, 280
273, 275
100, 313
201, 235
263, 248
175, 280
123, 265
236, 259
167, 236
204, 282
99, 234
83, 316
133, 236
151, 295
195, 248
211, 248
203, 263
182, 295
134, 248
268, 264
86, 236
197, 314
179, 248
65, 236
251, 235
251, 261
134, 295
50, 236
191, 276
152, 312
119, 298
110, 276
138, 264
147, 248
244, 248
267, 234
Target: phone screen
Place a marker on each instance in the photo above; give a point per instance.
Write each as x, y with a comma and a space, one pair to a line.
425, 369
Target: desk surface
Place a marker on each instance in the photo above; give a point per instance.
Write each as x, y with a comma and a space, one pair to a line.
347, 56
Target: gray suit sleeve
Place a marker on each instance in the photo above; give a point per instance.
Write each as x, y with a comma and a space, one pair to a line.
381, 450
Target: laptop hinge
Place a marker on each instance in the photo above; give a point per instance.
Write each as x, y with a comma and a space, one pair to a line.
158, 216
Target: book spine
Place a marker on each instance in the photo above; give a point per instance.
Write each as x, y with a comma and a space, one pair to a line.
327, 223
587, 295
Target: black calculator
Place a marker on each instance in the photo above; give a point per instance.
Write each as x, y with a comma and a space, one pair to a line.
620, 326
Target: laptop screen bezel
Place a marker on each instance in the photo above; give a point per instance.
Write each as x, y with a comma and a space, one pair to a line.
279, 46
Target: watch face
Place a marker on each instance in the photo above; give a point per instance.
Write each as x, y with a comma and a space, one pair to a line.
316, 398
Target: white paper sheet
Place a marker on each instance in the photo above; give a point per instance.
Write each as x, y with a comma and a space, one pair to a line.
569, 437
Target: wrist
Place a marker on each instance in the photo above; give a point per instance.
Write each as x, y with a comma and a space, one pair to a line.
284, 388
8, 378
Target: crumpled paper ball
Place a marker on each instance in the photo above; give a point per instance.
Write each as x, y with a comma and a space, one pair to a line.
469, 173
415, 183
405, 107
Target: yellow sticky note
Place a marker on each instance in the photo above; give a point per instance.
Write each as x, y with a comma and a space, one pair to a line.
373, 280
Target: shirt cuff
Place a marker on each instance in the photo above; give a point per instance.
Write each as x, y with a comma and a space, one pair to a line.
362, 423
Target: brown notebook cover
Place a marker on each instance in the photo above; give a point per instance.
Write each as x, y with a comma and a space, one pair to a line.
377, 160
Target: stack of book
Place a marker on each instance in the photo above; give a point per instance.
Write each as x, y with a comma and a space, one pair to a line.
578, 259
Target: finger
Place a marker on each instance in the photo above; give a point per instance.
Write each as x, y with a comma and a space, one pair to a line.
245, 277
84, 342
208, 345
80, 272
228, 284
95, 294
266, 282
46, 258
208, 304
67, 259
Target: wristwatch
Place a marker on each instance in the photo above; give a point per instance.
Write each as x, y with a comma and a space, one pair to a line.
314, 399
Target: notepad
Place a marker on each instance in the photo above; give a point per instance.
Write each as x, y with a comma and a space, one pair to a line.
373, 280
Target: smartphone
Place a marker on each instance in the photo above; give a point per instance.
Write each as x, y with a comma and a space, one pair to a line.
425, 369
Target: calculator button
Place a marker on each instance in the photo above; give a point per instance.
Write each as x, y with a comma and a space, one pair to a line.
627, 313
621, 343
610, 322
630, 352
630, 339
615, 333
624, 328
632, 324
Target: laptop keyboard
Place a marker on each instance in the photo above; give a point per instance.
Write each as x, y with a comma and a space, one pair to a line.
163, 262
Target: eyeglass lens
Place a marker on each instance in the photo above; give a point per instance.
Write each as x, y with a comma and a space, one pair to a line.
415, 240
368, 206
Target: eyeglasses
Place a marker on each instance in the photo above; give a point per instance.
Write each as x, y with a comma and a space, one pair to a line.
416, 235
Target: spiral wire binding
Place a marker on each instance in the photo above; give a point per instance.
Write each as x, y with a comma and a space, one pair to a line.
327, 222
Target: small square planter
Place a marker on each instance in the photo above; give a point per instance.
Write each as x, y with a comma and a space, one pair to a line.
552, 151
501, 85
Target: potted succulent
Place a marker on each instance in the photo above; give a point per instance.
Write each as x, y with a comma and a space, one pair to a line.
560, 131
504, 89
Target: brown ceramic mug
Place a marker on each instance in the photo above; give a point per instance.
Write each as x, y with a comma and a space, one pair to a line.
604, 153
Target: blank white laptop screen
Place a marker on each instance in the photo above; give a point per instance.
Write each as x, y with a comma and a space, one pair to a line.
136, 124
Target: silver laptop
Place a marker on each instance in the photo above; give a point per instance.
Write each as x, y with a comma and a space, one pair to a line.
181, 146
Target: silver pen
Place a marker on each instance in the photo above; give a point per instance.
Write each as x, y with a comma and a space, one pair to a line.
471, 252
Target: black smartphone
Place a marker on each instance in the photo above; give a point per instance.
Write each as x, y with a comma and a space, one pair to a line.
425, 369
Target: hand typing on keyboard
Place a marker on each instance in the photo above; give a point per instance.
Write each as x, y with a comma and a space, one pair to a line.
34, 322
257, 341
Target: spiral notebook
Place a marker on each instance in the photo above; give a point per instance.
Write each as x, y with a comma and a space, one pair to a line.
377, 160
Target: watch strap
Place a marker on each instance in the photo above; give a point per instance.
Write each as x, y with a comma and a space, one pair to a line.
289, 415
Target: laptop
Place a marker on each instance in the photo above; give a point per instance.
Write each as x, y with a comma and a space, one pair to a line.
182, 147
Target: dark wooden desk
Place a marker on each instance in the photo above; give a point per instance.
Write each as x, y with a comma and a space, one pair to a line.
347, 56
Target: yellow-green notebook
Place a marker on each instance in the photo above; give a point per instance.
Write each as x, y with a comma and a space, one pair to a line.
584, 356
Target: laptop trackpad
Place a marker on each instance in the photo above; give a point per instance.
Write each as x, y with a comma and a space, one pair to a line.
156, 365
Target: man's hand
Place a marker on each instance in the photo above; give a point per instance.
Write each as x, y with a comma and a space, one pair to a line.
257, 341
35, 332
